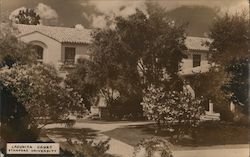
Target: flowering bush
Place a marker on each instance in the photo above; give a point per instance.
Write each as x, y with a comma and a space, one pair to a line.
39, 89
153, 147
173, 110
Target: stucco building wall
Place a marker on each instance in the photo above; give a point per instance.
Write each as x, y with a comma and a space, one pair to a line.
80, 49
52, 48
187, 63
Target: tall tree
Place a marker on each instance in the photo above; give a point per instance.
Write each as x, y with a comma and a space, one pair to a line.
229, 47
28, 17
141, 50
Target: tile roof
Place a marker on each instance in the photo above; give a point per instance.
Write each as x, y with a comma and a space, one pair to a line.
61, 34
74, 35
197, 43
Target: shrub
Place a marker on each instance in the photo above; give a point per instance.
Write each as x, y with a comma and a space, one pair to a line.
152, 147
88, 148
177, 111
32, 97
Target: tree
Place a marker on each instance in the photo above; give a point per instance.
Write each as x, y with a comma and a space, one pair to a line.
176, 111
13, 51
210, 86
28, 17
141, 50
38, 92
78, 80
31, 94
229, 47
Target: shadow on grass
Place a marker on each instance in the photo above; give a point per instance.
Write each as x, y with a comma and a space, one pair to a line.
208, 134
72, 132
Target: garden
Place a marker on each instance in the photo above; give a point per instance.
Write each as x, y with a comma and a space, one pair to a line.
137, 76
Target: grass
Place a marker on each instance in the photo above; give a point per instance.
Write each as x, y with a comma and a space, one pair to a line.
72, 132
208, 134
106, 121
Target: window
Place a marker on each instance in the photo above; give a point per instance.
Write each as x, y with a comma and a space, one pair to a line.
196, 60
70, 53
39, 52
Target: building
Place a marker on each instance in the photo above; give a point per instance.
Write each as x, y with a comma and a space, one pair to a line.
197, 60
61, 47
58, 46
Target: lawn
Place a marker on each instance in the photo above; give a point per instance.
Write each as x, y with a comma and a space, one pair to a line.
71, 132
108, 121
208, 134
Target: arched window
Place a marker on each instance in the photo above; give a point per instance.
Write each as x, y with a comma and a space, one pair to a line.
39, 52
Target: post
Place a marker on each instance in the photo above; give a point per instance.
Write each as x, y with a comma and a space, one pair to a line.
211, 107
232, 107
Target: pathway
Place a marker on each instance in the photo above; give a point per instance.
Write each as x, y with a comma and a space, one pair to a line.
121, 149
239, 152
100, 127
117, 148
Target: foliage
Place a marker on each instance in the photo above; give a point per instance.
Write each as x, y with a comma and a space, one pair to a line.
238, 85
152, 51
125, 63
213, 90
88, 148
13, 51
229, 38
177, 111
126, 107
229, 47
14, 118
31, 94
38, 88
28, 17
152, 147
78, 79
33, 97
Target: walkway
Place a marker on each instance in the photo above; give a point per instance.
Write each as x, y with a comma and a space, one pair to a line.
240, 152
100, 127
121, 149
117, 148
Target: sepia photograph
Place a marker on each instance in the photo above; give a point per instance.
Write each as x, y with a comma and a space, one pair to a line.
124, 78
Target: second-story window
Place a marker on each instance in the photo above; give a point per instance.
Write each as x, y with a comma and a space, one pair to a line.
196, 60
70, 53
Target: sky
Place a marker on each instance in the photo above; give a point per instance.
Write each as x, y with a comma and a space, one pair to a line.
94, 13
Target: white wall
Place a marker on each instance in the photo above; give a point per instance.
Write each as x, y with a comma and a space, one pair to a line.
52, 49
188, 62
81, 50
